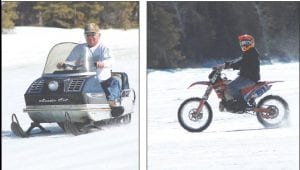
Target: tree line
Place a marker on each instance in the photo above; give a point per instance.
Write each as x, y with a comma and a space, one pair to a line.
70, 14
192, 34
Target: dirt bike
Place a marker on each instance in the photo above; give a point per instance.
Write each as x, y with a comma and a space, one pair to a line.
195, 114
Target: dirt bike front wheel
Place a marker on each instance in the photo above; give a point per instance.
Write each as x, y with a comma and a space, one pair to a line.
279, 111
190, 119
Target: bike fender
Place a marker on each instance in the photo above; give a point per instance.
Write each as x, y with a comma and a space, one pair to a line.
270, 82
200, 83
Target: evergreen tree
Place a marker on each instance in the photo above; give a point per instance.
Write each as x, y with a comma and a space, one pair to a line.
125, 14
120, 14
163, 39
69, 14
26, 13
91, 12
55, 14
207, 31
8, 15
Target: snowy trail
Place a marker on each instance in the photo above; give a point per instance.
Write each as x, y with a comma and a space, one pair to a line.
232, 141
114, 147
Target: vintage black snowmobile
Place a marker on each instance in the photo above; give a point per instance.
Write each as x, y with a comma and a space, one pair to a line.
72, 96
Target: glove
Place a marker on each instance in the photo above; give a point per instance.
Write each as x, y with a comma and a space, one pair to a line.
61, 65
227, 65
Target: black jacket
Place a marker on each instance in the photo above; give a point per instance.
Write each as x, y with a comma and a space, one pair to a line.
248, 65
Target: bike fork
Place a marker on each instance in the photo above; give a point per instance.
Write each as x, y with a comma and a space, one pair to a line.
204, 98
200, 106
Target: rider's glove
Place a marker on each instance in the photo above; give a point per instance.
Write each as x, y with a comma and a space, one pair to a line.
61, 65
227, 65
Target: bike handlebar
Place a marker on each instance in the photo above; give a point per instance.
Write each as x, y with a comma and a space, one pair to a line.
219, 67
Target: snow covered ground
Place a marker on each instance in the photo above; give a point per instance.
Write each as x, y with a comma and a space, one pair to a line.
23, 57
232, 141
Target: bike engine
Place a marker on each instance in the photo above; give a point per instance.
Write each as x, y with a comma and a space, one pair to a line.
234, 106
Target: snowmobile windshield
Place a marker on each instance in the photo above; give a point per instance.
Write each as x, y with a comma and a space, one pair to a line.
69, 58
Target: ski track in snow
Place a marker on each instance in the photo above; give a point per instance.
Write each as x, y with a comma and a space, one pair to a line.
23, 57
232, 141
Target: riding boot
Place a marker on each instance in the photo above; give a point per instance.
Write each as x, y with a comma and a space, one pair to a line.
236, 105
241, 103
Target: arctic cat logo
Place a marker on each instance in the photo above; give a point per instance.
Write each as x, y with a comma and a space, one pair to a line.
47, 101
53, 100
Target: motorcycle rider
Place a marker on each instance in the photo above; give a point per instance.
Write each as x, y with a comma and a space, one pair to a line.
249, 66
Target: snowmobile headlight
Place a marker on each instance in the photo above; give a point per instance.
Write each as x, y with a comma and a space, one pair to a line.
53, 85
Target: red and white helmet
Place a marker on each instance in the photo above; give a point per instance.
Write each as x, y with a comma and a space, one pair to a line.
246, 42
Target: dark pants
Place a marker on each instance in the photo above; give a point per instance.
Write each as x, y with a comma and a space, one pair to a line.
111, 88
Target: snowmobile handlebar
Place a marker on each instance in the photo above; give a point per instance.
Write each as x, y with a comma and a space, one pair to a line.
66, 65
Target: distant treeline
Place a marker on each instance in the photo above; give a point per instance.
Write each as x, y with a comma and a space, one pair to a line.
191, 34
70, 14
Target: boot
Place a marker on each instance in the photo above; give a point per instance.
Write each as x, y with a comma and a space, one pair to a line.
116, 109
242, 102
112, 103
236, 105
241, 105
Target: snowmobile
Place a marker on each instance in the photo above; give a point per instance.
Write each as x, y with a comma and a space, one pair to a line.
72, 96
195, 114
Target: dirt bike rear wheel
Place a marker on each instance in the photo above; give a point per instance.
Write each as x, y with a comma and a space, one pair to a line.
192, 121
279, 111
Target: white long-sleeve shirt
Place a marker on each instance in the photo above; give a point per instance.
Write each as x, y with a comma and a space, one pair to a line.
101, 53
